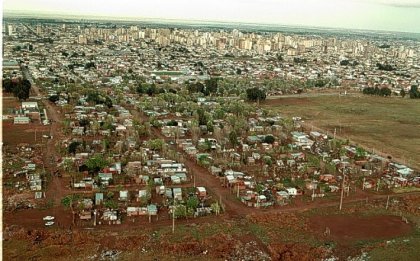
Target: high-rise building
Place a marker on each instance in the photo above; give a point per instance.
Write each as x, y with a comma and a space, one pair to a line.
10, 29
38, 29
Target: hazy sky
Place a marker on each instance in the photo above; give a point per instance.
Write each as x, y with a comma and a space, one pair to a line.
358, 14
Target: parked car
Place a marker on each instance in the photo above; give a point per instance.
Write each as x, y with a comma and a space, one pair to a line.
49, 223
48, 218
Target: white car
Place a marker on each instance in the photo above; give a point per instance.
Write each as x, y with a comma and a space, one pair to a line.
48, 218
49, 223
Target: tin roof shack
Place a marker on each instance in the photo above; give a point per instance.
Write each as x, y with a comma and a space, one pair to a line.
282, 198
177, 193
85, 215
123, 195
201, 192
35, 181
105, 178
301, 139
99, 198
111, 217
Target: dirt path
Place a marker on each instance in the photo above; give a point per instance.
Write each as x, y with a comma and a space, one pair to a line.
55, 189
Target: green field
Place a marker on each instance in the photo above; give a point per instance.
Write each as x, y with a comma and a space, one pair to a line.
391, 126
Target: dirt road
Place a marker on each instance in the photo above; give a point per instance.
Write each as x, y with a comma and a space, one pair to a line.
55, 189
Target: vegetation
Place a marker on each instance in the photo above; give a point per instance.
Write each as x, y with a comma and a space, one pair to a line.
96, 163
20, 88
156, 144
255, 94
377, 91
414, 92
385, 67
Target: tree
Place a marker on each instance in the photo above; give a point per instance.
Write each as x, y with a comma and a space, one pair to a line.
233, 138
192, 204
402, 93
54, 98
69, 201
414, 92
385, 91
111, 204
215, 207
180, 211
96, 163
140, 89
211, 85
255, 94
202, 118
156, 144
151, 90
360, 153
269, 139
72, 148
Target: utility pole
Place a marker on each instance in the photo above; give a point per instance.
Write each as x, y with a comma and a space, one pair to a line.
173, 218
342, 191
313, 190
363, 185
237, 192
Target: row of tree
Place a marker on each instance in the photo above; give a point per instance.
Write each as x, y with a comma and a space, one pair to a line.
20, 88
377, 91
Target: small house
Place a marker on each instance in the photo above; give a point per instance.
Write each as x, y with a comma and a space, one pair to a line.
99, 198
177, 193
201, 191
123, 195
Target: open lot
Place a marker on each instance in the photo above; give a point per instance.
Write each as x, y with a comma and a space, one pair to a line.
26, 133
352, 228
390, 126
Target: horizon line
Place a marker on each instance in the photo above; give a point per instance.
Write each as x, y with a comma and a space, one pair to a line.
52, 14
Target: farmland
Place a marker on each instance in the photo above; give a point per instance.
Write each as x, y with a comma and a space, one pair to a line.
387, 125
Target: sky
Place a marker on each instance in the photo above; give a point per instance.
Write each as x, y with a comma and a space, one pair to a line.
389, 15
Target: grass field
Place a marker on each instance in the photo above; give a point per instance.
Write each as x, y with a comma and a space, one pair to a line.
388, 125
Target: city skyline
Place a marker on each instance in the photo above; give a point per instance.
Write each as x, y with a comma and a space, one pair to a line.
385, 15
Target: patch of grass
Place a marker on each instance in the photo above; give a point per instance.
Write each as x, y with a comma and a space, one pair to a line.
405, 189
387, 124
406, 248
259, 232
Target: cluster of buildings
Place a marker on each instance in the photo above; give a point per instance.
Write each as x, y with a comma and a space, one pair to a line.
101, 54
270, 165
125, 151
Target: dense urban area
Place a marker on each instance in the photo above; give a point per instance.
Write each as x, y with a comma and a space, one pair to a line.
129, 140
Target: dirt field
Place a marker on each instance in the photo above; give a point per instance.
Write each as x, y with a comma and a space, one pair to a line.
347, 229
14, 134
388, 125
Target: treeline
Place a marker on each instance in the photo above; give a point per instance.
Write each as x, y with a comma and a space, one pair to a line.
377, 91
151, 89
20, 88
